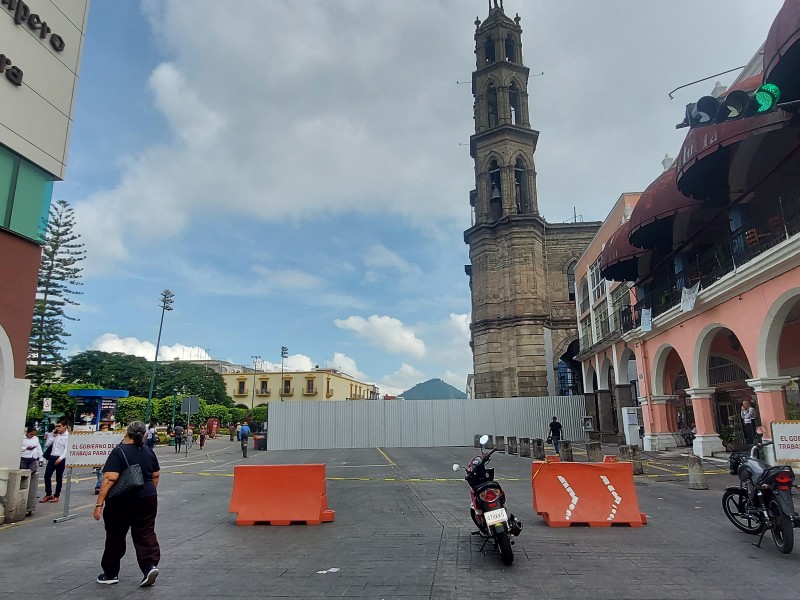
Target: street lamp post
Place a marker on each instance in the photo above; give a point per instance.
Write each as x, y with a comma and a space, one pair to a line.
284, 354
167, 298
255, 358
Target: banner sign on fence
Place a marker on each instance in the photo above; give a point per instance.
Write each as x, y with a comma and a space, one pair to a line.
786, 436
91, 449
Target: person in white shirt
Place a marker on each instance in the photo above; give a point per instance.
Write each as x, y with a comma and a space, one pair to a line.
31, 452
56, 462
749, 416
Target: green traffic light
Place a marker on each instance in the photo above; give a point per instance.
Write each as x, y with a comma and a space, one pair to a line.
767, 97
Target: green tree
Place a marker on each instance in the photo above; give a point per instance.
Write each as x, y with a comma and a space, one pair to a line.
62, 403
111, 370
126, 372
59, 276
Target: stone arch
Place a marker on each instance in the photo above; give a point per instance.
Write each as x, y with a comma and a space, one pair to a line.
6, 360
588, 377
769, 338
660, 369
702, 354
622, 366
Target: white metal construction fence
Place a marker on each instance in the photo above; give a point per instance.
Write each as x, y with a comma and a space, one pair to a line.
417, 423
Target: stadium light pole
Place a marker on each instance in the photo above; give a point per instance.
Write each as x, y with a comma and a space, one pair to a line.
167, 298
284, 354
255, 358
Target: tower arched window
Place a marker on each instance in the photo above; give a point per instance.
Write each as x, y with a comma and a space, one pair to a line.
495, 193
491, 105
511, 50
521, 186
513, 97
571, 279
488, 50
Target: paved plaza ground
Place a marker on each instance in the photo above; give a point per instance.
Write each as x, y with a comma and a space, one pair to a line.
399, 539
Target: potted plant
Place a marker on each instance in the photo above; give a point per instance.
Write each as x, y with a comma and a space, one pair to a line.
728, 437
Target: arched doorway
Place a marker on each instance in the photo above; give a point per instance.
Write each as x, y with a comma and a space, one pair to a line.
570, 382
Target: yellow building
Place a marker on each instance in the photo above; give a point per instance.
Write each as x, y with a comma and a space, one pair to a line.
252, 388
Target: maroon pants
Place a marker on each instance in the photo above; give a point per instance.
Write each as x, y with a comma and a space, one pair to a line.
138, 515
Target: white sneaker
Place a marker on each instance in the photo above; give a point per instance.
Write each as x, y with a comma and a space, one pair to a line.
150, 578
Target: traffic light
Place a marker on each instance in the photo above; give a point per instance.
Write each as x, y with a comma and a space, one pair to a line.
735, 105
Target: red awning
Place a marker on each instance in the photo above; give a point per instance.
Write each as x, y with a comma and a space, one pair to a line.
785, 31
653, 217
619, 261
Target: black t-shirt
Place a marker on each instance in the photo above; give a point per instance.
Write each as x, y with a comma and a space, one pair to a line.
555, 429
146, 458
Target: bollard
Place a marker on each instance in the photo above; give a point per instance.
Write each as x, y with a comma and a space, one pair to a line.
525, 446
565, 451
512, 444
477, 443
697, 478
490, 444
594, 452
537, 448
631, 454
500, 443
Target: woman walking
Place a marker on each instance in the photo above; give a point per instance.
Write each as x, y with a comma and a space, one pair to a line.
135, 510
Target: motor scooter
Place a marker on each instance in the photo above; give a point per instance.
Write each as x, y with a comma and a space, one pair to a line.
488, 505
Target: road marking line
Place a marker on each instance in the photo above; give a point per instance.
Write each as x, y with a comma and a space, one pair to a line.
386, 457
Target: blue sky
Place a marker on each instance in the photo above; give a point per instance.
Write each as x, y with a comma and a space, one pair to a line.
297, 174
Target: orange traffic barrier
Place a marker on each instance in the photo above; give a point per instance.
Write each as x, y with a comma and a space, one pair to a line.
596, 494
280, 495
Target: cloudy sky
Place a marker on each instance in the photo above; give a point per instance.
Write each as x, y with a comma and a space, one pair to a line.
298, 174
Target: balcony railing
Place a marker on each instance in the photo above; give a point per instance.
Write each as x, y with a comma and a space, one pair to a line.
712, 263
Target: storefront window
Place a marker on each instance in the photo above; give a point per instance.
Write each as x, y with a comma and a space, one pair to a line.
25, 194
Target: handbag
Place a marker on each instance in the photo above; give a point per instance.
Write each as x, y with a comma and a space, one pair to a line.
47, 452
130, 480
549, 439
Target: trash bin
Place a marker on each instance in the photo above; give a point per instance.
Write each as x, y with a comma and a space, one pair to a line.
259, 442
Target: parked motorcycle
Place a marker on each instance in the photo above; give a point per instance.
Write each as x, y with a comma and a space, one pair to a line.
763, 500
488, 505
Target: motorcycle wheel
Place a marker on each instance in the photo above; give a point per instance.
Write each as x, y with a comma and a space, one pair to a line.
504, 546
782, 528
734, 504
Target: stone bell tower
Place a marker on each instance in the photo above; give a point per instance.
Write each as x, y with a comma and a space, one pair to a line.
522, 268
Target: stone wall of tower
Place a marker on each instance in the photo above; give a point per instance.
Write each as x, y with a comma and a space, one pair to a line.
522, 317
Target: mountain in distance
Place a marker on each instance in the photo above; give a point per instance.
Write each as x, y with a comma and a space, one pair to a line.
433, 389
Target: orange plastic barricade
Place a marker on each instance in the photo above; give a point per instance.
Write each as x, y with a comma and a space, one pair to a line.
596, 494
280, 494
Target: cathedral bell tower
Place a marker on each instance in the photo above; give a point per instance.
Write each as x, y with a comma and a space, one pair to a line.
523, 311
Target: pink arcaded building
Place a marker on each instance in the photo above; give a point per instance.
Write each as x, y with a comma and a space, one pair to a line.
689, 297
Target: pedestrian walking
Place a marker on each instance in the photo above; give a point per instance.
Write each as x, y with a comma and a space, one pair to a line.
178, 437
749, 417
151, 436
244, 434
31, 454
135, 510
56, 462
555, 433
231, 430
203, 435
188, 437
239, 432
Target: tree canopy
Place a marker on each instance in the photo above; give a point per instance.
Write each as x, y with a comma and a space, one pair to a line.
115, 370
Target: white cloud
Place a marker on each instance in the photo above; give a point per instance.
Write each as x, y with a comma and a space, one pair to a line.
385, 332
111, 342
406, 377
347, 365
383, 264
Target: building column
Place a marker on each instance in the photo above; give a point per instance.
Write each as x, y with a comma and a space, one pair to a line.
606, 417
706, 440
771, 406
591, 410
659, 435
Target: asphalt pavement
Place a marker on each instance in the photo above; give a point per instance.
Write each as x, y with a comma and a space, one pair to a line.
402, 530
